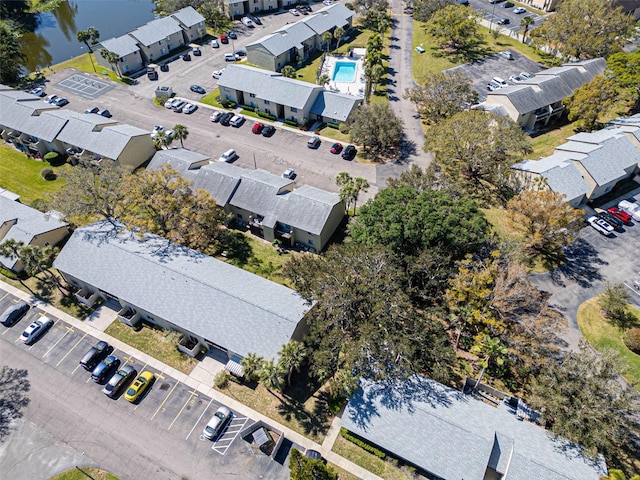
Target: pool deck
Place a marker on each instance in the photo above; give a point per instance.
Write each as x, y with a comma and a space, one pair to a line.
356, 87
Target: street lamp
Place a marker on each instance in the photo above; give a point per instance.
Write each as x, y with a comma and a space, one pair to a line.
493, 11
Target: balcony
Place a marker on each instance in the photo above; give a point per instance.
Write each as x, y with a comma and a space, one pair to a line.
189, 346
129, 317
87, 296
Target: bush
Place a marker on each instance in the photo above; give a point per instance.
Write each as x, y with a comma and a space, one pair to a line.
631, 339
227, 103
364, 445
333, 125
344, 128
291, 123
266, 115
54, 158
48, 174
221, 380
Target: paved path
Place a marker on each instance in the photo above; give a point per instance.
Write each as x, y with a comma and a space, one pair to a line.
200, 379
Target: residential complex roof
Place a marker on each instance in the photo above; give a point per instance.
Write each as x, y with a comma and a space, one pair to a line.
334, 105
455, 436
23, 112
156, 30
285, 39
188, 16
123, 45
336, 15
221, 303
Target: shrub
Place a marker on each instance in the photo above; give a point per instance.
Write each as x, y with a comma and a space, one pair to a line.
266, 115
48, 174
344, 128
292, 123
364, 445
333, 125
631, 339
221, 380
54, 158
227, 103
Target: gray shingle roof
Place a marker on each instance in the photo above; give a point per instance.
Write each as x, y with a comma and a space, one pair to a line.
220, 179
269, 85
123, 45
608, 162
180, 159
224, 304
336, 15
188, 16
27, 223
24, 112
334, 105
455, 436
156, 30
285, 39
567, 180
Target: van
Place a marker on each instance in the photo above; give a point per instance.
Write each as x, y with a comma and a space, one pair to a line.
247, 22
228, 156
500, 81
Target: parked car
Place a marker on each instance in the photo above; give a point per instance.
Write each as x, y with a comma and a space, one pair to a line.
232, 34
51, 98
226, 118
294, 12
38, 92
197, 89
503, 21
525, 75
186, 57
169, 103
139, 386
157, 130
118, 380
92, 110
231, 57
179, 105
508, 5
516, 79
34, 331
247, 22
327, 2
256, 20
196, 51
257, 128
105, 368
60, 102
228, 156
268, 130
217, 73
215, 44
314, 142
495, 1
215, 116
493, 85
105, 113
236, 121
611, 220
217, 423
336, 148
95, 355
241, 53
224, 39
152, 74
500, 81
463, 2
313, 454
349, 153
189, 108
600, 225
620, 215
289, 173
631, 208
14, 313
519, 10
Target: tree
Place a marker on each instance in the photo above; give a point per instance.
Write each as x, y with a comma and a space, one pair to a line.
338, 34
571, 30
408, 222
292, 356
270, 375
92, 192
251, 365
11, 56
323, 79
350, 188
441, 95
454, 28
526, 23
614, 305
415, 178
376, 128
582, 398
488, 349
377, 19
91, 33
180, 132
475, 151
590, 100
303, 468
326, 38
374, 44
288, 71
625, 68
14, 385
546, 222
113, 59
213, 16
619, 475
423, 9
162, 141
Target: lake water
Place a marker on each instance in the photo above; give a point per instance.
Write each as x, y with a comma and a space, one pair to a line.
54, 40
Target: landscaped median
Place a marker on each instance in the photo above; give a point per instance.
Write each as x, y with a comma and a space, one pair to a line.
602, 335
83, 473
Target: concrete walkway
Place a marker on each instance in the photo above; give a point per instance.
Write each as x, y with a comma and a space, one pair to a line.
200, 379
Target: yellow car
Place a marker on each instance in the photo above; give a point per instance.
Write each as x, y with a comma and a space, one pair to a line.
139, 386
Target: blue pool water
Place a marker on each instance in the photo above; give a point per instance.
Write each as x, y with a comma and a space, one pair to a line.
344, 72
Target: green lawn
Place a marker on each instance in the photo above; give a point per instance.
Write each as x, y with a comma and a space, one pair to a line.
83, 63
84, 473
604, 336
383, 468
21, 175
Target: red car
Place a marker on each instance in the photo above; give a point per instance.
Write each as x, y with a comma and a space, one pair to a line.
620, 214
257, 128
224, 39
336, 148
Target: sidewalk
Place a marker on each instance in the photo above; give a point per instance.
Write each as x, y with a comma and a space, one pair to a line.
199, 379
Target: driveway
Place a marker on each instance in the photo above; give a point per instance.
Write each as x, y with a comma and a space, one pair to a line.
593, 260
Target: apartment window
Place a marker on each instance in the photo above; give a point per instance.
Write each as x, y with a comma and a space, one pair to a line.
159, 42
267, 102
294, 109
267, 111
168, 38
252, 95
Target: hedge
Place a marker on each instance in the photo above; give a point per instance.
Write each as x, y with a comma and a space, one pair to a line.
266, 115
333, 125
292, 123
364, 445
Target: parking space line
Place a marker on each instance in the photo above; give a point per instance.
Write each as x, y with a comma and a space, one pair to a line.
159, 375
55, 344
128, 359
222, 449
70, 350
190, 399
632, 288
199, 418
164, 401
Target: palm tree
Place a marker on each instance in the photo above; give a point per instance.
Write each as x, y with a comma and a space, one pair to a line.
292, 355
113, 59
338, 34
91, 33
374, 43
323, 79
526, 23
251, 365
180, 132
489, 349
271, 375
288, 71
326, 38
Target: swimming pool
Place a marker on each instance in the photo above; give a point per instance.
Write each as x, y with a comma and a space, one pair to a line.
344, 72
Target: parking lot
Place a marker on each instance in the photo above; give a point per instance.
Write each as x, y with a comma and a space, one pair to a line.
169, 409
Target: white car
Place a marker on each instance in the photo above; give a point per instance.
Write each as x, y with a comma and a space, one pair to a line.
519, 10
500, 81
217, 73
247, 22
327, 2
516, 79
38, 92
294, 12
217, 422
36, 330
215, 117
157, 130
215, 44
289, 173
632, 209
506, 54
189, 108
525, 75
600, 225
236, 121
171, 102
51, 98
